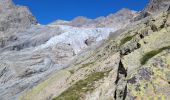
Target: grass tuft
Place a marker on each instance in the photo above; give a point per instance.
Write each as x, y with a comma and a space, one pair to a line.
71, 71
151, 54
126, 39
87, 64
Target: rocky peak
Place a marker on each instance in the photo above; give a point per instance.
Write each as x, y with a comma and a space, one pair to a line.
123, 14
125, 11
80, 20
6, 4
119, 19
157, 5
13, 20
14, 17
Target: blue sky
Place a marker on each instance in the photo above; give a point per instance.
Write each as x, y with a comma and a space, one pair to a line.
47, 11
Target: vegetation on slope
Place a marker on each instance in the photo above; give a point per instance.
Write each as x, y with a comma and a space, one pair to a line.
77, 90
126, 39
87, 64
83, 66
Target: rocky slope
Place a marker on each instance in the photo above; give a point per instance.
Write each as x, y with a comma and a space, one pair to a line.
30, 52
79, 60
134, 66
